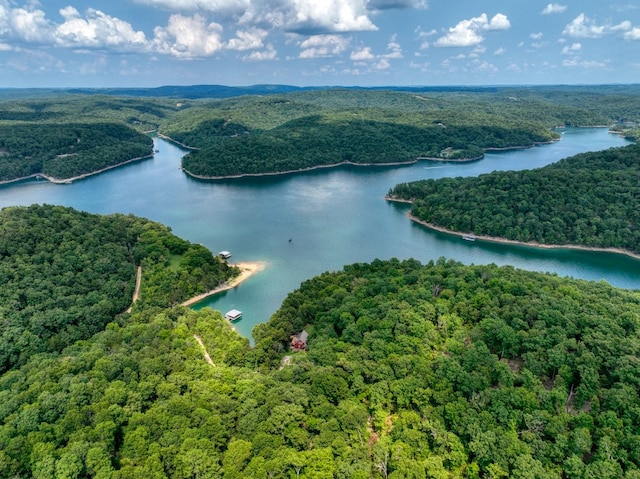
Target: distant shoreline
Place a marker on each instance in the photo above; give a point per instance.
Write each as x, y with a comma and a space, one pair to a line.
247, 270
66, 181
497, 239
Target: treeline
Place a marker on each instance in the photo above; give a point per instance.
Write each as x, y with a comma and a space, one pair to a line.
66, 150
63, 107
66, 274
317, 141
592, 199
440, 370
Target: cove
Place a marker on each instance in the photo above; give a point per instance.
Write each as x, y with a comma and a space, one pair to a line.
332, 216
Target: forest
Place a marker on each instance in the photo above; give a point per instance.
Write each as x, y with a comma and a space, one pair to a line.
275, 129
66, 150
412, 371
592, 199
66, 274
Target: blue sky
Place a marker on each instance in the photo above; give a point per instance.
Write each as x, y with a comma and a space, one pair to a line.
108, 43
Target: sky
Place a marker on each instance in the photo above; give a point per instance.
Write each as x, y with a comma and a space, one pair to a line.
149, 43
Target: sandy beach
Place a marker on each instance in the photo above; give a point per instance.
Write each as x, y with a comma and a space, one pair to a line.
247, 269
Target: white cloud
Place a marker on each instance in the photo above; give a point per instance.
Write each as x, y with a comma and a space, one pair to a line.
536, 36
394, 48
554, 8
362, 54
423, 37
319, 46
269, 54
583, 27
500, 51
250, 39
571, 49
578, 63
468, 32
389, 4
97, 30
29, 25
382, 64
188, 37
633, 34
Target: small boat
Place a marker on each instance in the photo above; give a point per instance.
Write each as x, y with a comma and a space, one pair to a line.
233, 315
469, 237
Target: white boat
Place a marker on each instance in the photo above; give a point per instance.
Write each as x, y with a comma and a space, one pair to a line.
233, 315
469, 237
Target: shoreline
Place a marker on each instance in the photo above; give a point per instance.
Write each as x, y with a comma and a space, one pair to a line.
247, 270
66, 181
497, 239
300, 170
532, 244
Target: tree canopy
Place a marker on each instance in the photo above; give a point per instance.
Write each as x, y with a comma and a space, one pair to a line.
591, 199
437, 370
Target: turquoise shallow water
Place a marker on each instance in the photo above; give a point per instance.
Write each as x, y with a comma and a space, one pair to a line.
332, 216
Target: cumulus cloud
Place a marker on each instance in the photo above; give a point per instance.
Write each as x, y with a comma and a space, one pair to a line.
468, 32
571, 49
259, 56
250, 39
362, 54
321, 46
536, 36
302, 16
554, 8
391, 4
188, 37
633, 34
97, 30
583, 27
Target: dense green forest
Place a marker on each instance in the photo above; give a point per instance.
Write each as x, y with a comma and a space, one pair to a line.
592, 199
277, 133
66, 274
412, 371
67, 150
312, 141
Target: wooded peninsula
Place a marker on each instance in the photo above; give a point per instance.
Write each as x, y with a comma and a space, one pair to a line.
592, 199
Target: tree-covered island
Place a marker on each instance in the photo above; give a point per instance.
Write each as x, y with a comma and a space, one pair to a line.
411, 371
590, 200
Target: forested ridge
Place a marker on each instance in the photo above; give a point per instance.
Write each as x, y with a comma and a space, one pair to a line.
301, 130
67, 150
66, 274
438, 370
64, 136
275, 133
591, 199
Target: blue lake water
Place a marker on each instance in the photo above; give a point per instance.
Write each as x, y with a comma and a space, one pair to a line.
332, 216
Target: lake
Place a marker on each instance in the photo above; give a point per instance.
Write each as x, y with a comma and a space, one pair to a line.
332, 216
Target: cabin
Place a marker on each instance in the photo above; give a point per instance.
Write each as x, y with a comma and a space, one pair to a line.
224, 254
233, 315
299, 341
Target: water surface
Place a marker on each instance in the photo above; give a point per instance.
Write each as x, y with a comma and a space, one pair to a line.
333, 217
